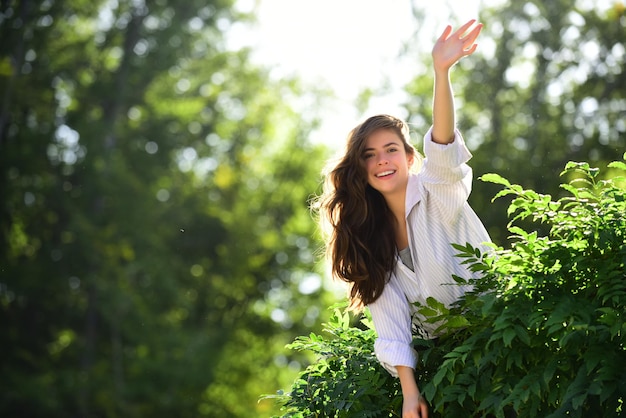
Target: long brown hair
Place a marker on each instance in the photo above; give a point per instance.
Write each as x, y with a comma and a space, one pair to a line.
357, 223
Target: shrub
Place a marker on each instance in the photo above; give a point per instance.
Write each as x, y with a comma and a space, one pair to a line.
540, 335
347, 380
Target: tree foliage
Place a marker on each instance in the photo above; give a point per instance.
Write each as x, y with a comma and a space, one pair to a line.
154, 228
540, 334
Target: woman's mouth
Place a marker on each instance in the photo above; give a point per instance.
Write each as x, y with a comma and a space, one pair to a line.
385, 173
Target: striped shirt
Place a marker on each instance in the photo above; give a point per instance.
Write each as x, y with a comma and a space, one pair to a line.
437, 215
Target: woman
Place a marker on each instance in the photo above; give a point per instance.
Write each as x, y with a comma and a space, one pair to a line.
390, 229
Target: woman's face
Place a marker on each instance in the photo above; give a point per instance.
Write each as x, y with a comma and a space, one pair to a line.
386, 162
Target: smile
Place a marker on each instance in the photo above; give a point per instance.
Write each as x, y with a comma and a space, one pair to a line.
385, 173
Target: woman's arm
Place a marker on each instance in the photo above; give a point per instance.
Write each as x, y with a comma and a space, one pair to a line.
413, 405
448, 50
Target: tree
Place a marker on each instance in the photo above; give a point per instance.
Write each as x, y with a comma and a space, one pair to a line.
153, 221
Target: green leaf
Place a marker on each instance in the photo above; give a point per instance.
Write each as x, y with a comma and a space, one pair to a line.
518, 231
617, 164
428, 312
507, 336
494, 178
457, 322
573, 190
439, 376
435, 304
522, 334
549, 371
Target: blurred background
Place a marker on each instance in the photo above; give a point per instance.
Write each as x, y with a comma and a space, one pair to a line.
157, 159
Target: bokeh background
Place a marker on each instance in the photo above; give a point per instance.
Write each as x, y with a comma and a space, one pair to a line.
158, 157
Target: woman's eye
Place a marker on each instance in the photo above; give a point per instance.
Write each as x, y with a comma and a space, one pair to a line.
367, 156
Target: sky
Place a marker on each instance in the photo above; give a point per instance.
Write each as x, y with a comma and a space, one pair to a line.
347, 45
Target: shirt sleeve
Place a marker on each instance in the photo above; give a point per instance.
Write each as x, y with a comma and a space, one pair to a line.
445, 175
392, 321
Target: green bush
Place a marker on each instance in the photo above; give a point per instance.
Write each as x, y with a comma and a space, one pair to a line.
540, 335
347, 380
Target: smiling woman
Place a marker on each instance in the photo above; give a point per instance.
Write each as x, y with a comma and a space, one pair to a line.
389, 231
388, 160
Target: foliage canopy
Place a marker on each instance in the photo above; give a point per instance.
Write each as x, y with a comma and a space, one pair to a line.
154, 228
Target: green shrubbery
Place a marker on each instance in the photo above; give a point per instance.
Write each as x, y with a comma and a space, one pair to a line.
347, 381
541, 334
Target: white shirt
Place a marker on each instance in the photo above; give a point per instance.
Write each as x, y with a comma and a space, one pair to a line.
437, 215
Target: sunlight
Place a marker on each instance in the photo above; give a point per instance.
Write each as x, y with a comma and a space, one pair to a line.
346, 46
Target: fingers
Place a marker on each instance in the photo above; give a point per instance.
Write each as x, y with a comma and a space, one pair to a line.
467, 38
463, 28
468, 42
452, 46
471, 50
471, 37
445, 34
473, 34
423, 410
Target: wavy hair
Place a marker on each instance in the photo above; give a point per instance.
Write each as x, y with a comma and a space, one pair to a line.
356, 222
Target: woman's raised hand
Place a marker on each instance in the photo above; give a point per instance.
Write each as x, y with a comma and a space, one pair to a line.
451, 47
